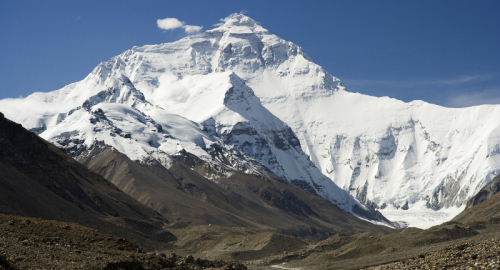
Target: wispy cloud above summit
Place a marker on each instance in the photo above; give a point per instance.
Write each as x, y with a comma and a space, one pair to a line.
174, 23
488, 96
420, 83
191, 29
458, 92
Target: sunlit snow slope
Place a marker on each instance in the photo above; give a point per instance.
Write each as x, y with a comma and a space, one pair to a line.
406, 159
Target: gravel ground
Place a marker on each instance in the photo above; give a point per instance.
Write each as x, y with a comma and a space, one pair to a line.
28, 243
482, 255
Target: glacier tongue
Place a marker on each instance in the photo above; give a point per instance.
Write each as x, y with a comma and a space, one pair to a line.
263, 98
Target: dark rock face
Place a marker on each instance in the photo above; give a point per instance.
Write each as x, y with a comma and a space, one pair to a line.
260, 146
287, 201
483, 207
72, 146
304, 185
405, 206
485, 193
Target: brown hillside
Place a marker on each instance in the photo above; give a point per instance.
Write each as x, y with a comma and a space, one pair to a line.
39, 180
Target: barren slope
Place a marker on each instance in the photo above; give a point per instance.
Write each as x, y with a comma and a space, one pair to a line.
40, 180
186, 197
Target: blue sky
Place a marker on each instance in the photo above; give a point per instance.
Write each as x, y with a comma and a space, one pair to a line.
443, 52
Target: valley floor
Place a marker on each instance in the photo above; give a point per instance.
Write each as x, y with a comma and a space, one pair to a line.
33, 243
448, 246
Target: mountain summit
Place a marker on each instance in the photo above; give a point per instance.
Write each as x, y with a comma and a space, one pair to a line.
239, 97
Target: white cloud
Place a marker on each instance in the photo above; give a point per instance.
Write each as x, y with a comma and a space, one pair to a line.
174, 23
169, 23
34, 107
170, 89
190, 29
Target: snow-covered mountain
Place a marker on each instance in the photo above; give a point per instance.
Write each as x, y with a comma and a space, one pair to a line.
265, 103
231, 129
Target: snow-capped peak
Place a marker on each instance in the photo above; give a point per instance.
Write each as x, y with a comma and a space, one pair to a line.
121, 91
238, 23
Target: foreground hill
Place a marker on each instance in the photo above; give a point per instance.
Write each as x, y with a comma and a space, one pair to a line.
40, 180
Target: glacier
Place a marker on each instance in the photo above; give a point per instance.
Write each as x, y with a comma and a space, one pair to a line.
268, 104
